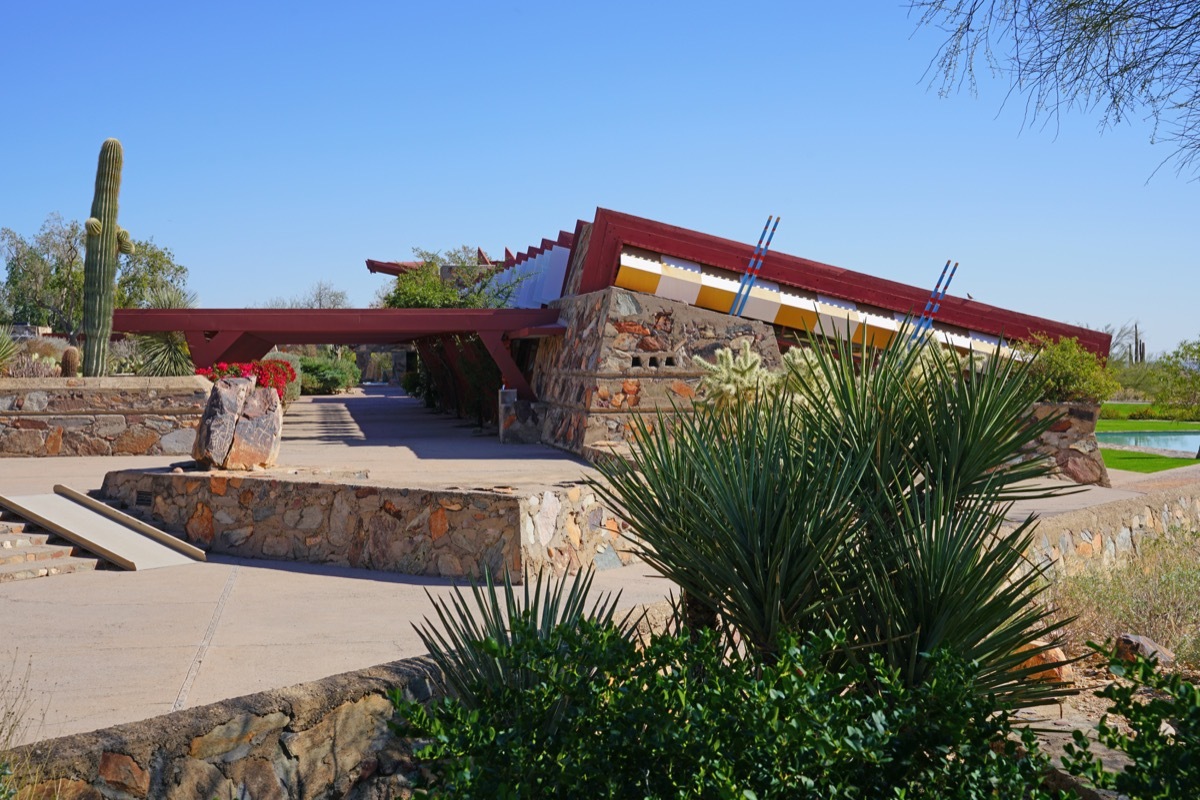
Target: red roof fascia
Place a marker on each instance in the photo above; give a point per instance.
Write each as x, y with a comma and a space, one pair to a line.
391, 267
613, 230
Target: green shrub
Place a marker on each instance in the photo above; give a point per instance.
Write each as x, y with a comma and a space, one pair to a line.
1069, 373
327, 375
1176, 413
603, 718
1162, 738
292, 391
1153, 594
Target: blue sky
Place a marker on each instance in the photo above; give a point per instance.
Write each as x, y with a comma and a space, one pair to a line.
271, 145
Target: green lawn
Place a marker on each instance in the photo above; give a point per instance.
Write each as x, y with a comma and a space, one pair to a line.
1145, 425
1142, 462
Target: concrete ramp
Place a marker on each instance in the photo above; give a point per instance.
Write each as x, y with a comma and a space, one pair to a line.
118, 538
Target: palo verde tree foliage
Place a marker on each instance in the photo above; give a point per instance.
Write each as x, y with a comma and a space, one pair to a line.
43, 280
1122, 57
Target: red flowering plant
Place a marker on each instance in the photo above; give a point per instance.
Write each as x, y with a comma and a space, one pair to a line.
275, 374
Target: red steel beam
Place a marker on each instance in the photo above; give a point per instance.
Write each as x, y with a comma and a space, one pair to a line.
239, 334
499, 350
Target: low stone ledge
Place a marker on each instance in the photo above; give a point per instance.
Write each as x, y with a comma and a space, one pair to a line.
448, 533
1112, 532
323, 739
99, 416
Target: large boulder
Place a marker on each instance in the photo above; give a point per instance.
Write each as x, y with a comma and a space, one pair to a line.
241, 426
259, 428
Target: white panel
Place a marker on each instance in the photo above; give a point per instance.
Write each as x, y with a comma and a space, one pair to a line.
681, 289
837, 301
690, 266
637, 262
728, 284
797, 301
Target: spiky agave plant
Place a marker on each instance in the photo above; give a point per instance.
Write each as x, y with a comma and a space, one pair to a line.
462, 645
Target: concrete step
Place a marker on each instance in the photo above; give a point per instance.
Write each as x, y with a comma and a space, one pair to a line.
16, 525
35, 552
27, 551
21, 539
41, 569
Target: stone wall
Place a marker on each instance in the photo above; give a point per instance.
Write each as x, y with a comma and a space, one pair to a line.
1070, 444
412, 531
1105, 534
626, 354
100, 416
313, 741
520, 420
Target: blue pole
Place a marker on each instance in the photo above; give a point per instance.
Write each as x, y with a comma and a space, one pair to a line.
746, 274
754, 268
937, 299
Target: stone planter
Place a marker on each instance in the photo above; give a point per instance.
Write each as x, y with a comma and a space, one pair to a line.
1071, 442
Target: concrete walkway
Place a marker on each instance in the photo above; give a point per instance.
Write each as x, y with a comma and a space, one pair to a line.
110, 647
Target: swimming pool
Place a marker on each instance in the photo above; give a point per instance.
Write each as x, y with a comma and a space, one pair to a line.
1187, 441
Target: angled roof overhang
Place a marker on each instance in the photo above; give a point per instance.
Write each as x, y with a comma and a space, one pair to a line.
612, 232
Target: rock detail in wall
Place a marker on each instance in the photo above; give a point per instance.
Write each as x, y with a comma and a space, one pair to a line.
241, 427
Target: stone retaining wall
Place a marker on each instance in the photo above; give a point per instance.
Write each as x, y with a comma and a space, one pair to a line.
318, 740
407, 530
1102, 535
100, 416
627, 354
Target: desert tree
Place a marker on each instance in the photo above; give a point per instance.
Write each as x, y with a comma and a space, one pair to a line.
1119, 57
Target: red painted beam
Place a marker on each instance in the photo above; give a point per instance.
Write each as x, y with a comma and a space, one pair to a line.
391, 267
498, 348
233, 334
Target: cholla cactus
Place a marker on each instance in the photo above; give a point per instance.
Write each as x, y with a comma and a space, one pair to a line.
731, 378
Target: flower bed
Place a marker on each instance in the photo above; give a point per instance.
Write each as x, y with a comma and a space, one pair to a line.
275, 374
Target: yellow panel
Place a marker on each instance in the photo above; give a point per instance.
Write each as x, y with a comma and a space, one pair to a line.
875, 337
637, 280
799, 318
716, 299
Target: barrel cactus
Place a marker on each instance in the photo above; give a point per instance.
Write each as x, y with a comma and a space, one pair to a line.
70, 363
105, 239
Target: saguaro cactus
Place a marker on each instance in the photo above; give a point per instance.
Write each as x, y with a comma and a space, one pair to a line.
104, 240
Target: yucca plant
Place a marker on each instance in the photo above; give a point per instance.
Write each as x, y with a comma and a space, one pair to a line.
747, 511
8, 348
466, 643
873, 498
166, 354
